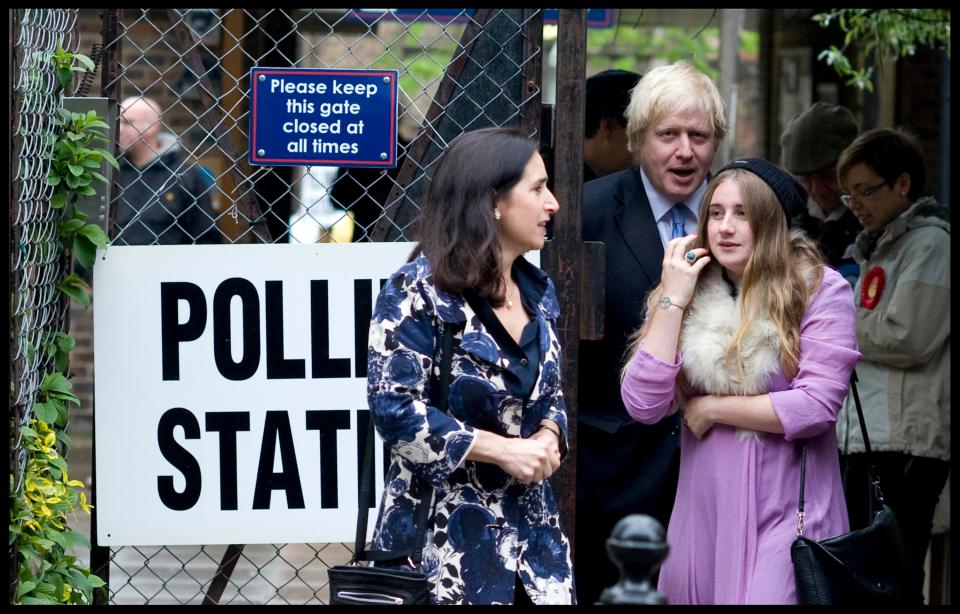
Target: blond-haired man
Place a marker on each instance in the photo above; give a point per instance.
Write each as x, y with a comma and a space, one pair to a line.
675, 122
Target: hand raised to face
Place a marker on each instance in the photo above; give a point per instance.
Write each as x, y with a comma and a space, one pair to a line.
682, 264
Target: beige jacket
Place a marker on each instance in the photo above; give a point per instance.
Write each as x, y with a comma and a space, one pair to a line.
904, 379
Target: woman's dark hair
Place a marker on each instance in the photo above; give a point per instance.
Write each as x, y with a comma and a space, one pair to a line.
889, 153
456, 229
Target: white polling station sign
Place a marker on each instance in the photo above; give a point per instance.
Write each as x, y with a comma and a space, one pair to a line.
229, 382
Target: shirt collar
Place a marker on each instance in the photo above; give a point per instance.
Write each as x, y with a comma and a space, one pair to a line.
660, 205
531, 281
816, 212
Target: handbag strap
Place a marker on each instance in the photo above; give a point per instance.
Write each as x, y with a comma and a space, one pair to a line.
876, 496
366, 481
440, 402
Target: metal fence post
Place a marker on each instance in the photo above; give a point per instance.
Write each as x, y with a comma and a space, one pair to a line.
14, 580
111, 89
561, 256
637, 546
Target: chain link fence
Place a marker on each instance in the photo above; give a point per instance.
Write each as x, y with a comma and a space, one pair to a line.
185, 179
37, 309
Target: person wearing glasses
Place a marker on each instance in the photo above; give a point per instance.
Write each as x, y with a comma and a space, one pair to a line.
810, 147
751, 340
903, 331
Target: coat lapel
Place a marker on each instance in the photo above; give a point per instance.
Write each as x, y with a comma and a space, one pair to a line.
635, 225
479, 343
453, 309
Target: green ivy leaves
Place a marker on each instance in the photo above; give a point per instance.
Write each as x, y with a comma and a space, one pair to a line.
76, 160
40, 504
892, 33
74, 170
63, 64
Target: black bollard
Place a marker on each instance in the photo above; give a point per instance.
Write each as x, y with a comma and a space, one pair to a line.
637, 547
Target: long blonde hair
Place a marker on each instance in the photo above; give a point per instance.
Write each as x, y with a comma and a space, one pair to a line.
784, 269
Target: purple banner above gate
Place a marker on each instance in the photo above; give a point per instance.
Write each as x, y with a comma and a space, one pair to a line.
596, 18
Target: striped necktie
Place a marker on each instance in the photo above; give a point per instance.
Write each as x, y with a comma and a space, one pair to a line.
676, 215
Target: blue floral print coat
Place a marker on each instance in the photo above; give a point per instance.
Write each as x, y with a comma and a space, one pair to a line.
485, 526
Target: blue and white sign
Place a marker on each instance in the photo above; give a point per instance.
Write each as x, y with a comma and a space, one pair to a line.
323, 117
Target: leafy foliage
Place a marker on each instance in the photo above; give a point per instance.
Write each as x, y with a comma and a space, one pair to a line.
45, 496
421, 52
63, 64
892, 33
73, 170
38, 518
628, 48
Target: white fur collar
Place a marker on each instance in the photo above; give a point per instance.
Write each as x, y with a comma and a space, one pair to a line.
711, 320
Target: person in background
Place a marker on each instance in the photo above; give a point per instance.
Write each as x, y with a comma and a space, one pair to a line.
161, 200
675, 122
494, 534
606, 97
752, 340
903, 329
810, 147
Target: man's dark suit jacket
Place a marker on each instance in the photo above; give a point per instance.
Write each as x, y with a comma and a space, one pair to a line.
623, 467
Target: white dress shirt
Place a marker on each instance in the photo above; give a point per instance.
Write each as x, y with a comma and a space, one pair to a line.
661, 206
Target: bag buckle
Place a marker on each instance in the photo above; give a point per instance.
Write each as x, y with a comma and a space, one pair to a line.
799, 522
876, 487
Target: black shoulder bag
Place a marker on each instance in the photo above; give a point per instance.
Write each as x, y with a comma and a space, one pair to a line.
355, 584
866, 566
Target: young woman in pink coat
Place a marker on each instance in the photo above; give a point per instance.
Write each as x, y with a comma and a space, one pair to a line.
753, 340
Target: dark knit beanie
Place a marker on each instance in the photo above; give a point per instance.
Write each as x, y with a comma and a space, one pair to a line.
815, 138
784, 186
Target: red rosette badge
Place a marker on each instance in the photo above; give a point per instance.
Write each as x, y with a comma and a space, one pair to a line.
872, 287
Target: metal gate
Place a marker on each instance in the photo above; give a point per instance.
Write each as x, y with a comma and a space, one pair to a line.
458, 71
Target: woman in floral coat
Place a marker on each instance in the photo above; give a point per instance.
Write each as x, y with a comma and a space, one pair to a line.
493, 535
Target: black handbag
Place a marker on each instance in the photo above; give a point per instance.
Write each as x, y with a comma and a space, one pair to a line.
863, 567
356, 584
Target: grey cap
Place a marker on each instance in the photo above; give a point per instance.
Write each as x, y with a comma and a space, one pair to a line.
815, 138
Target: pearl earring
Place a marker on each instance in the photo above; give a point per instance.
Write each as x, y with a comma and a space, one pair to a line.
496, 215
